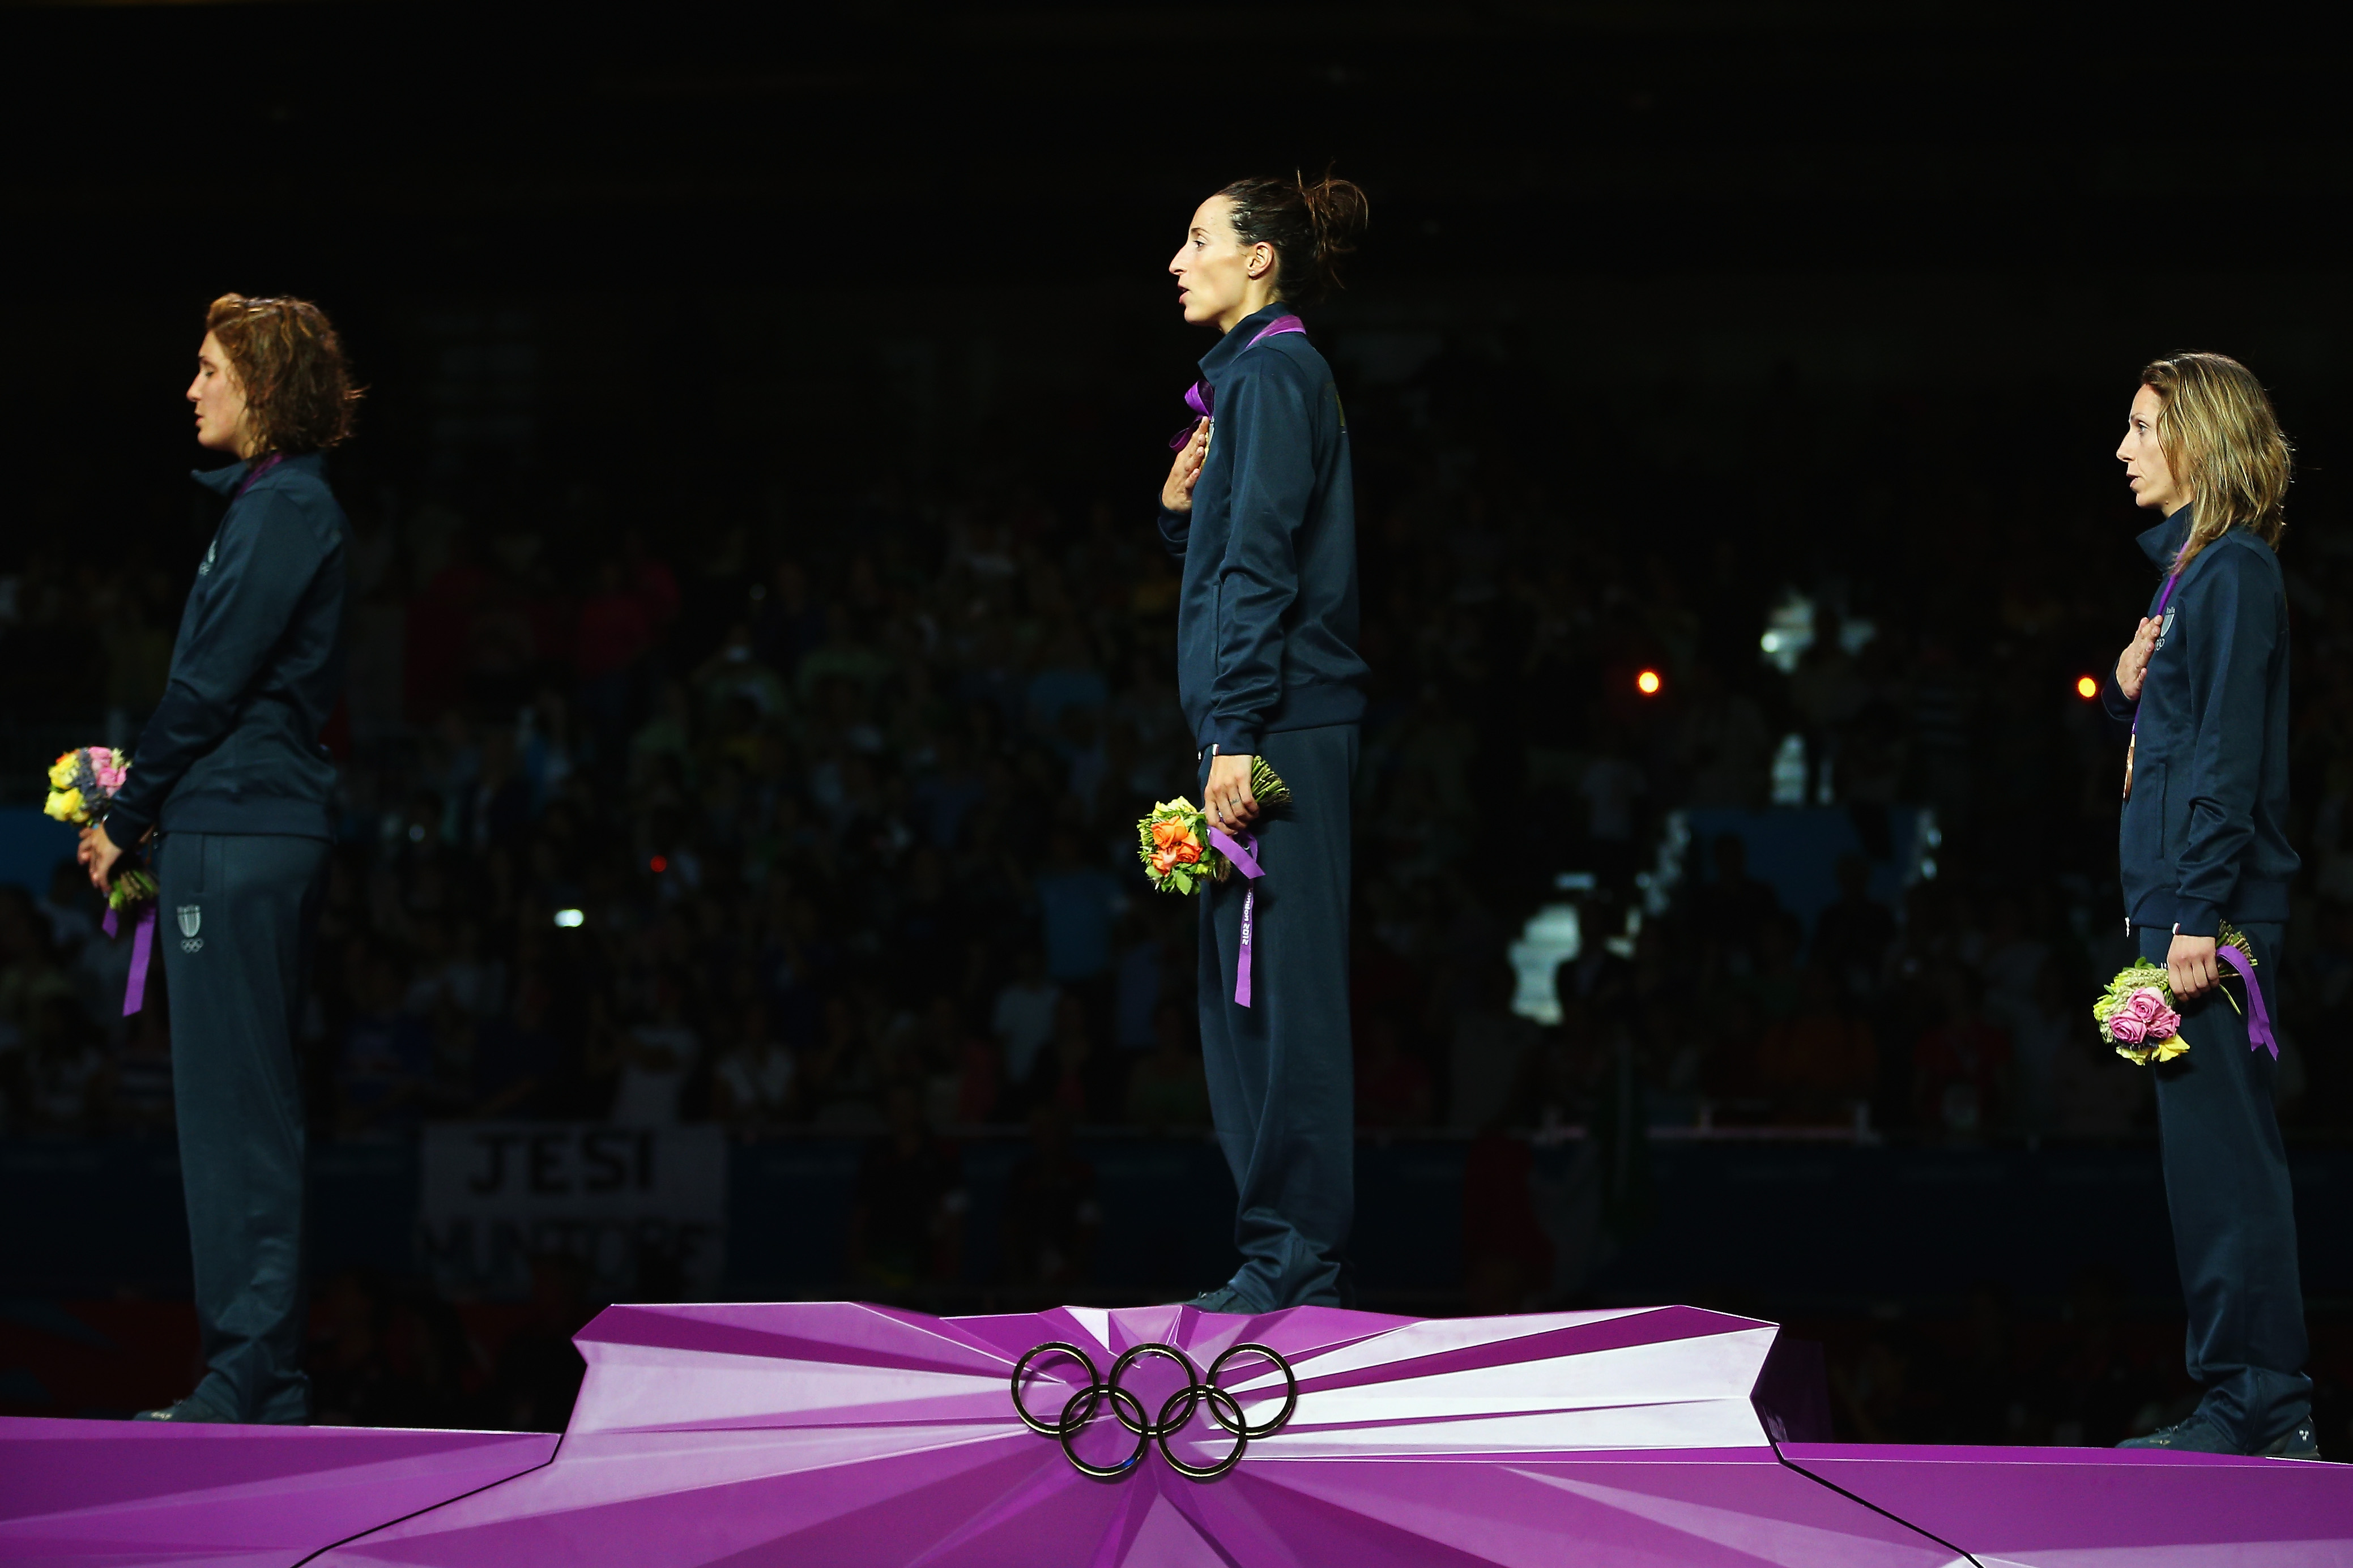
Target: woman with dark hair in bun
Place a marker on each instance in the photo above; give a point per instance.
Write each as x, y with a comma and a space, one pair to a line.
230, 781
1259, 507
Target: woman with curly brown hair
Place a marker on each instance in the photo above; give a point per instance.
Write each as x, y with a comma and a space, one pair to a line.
229, 783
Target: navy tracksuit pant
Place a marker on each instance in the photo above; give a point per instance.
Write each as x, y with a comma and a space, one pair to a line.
235, 927
1281, 1071
2226, 1184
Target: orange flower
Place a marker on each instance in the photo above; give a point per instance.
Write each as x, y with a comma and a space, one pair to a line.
1187, 837
1188, 852
1166, 831
1164, 860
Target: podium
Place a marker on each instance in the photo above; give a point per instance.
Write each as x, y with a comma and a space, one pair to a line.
837, 1433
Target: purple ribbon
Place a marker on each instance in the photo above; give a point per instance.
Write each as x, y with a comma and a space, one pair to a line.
2162, 600
2259, 1018
1203, 402
142, 950
260, 469
1244, 855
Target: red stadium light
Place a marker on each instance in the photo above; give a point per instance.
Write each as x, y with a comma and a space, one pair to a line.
1647, 683
2086, 688
659, 864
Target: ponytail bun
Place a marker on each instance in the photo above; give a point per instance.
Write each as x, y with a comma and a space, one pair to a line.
1309, 226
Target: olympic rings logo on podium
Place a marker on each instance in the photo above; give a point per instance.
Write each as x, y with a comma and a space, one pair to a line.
1175, 1411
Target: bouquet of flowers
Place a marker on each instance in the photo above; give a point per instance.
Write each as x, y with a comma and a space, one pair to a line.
80, 783
1173, 839
2137, 1013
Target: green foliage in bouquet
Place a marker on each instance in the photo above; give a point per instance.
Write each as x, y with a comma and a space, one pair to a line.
1173, 839
2140, 1017
1267, 786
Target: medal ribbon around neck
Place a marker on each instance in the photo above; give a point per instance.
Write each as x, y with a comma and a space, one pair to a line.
1202, 401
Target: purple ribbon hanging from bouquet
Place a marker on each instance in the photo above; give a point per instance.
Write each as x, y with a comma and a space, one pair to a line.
2259, 1017
143, 951
1244, 855
1203, 402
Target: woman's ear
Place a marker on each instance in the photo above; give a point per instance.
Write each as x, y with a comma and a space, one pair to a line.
1261, 260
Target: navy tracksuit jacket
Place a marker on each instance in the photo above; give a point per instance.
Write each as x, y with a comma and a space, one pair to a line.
231, 773
1267, 665
2204, 840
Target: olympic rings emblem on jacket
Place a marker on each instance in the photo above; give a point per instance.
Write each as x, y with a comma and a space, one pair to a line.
1175, 1411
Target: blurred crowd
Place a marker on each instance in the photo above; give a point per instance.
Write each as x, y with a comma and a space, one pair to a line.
815, 814
781, 821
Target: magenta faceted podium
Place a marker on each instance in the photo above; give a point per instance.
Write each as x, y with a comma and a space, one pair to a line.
833, 1433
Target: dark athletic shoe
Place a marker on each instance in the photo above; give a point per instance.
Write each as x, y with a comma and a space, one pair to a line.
2198, 1437
1225, 1299
2296, 1443
2195, 1435
191, 1409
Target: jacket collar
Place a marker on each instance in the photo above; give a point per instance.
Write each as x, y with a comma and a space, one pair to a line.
224, 481
2163, 543
1245, 332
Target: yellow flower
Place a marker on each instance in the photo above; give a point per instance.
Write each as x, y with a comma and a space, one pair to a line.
2170, 1046
61, 772
65, 806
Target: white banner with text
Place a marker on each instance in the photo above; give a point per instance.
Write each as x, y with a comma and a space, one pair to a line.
643, 1209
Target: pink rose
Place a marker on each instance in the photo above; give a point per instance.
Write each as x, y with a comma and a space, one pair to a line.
2145, 1004
2166, 1024
108, 767
2125, 1029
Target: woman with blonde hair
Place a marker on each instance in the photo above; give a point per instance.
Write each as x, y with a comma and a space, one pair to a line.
2203, 686
229, 780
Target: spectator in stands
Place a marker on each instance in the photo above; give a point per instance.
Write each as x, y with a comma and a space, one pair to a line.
30, 975
72, 909
1820, 1062
1961, 1068
1507, 1258
1851, 937
1729, 910
1023, 1021
1077, 903
1089, 1083
650, 1061
843, 1081
386, 1067
1165, 1088
139, 1078
1491, 1051
1052, 1213
751, 1082
2039, 1024
518, 1059
1613, 788
906, 1224
1774, 980
966, 1072
2091, 1097
66, 1072
1392, 1087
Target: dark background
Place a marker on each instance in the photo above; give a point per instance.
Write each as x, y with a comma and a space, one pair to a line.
854, 332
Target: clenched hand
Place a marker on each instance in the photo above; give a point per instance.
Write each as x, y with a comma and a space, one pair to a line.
1176, 494
1227, 798
2132, 665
